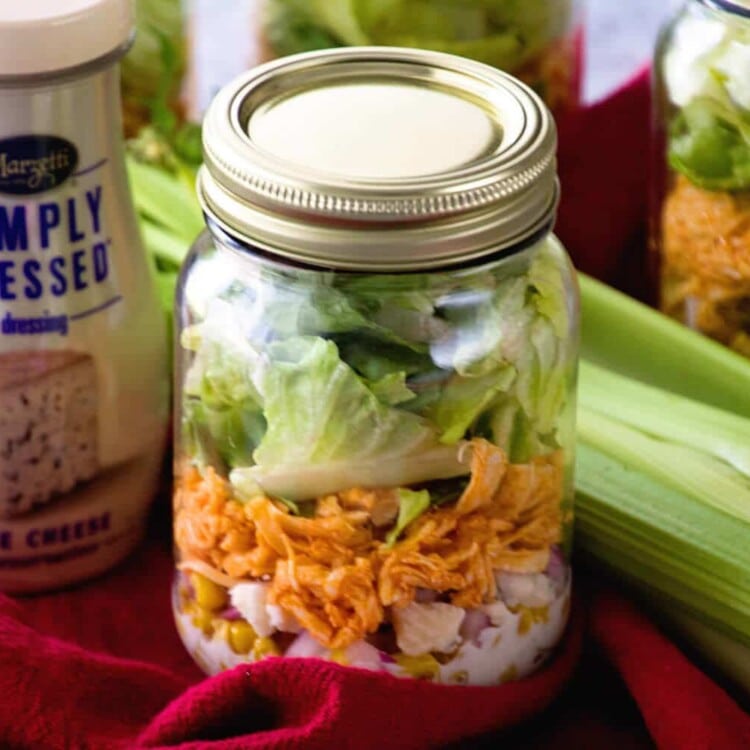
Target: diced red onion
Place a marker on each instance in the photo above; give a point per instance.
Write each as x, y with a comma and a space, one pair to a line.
557, 569
231, 614
187, 582
386, 658
473, 624
425, 596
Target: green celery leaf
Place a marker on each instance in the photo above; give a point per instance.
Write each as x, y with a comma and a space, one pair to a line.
411, 505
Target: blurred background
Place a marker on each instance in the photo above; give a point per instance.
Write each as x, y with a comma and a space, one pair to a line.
620, 36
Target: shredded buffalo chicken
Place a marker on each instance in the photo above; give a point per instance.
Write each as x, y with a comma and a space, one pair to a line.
706, 261
334, 571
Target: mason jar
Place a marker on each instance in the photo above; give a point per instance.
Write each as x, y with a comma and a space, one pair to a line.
538, 41
375, 371
701, 207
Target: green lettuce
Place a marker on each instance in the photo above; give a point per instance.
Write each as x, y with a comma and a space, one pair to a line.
411, 505
510, 349
391, 389
503, 33
222, 408
328, 431
462, 400
710, 144
303, 385
705, 73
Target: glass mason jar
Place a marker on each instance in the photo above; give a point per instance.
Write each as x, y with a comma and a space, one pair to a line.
538, 41
701, 207
375, 373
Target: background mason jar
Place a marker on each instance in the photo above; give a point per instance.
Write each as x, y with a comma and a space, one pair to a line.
700, 236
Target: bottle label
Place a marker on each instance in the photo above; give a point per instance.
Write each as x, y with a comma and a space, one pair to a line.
31, 164
54, 248
82, 358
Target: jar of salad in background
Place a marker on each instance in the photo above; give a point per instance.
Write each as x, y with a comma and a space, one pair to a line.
154, 68
375, 375
538, 41
701, 216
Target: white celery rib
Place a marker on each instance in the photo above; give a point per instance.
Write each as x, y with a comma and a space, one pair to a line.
699, 475
667, 416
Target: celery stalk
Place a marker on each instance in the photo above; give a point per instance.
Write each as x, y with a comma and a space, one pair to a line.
696, 552
634, 569
626, 336
166, 200
729, 656
165, 285
696, 474
164, 245
685, 575
633, 503
666, 416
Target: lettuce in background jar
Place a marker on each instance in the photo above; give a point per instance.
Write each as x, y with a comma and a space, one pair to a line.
153, 69
376, 363
701, 227
538, 41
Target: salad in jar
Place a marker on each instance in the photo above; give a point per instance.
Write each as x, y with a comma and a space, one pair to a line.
376, 469
538, 41
703, 219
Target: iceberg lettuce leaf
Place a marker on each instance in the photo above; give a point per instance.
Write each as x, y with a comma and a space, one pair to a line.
462, 400
503, 33
328, 431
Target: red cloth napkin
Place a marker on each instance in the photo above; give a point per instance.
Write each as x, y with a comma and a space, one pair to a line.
101, 666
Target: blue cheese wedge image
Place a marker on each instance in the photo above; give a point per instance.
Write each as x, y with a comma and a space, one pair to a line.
48, 426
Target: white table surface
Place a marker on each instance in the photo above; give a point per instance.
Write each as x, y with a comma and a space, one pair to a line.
620, 37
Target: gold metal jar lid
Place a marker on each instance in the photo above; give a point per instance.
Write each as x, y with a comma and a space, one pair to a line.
379, 158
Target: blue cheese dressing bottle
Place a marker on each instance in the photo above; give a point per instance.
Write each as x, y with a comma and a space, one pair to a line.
83, 366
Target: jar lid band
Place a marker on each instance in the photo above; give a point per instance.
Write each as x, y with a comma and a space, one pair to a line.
374, 156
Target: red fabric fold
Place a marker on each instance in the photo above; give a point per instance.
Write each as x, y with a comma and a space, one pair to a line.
299, 703
681, 706
603, 163
60, 695
100, 666
83, 692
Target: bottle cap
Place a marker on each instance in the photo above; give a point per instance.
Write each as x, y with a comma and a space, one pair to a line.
48, 36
